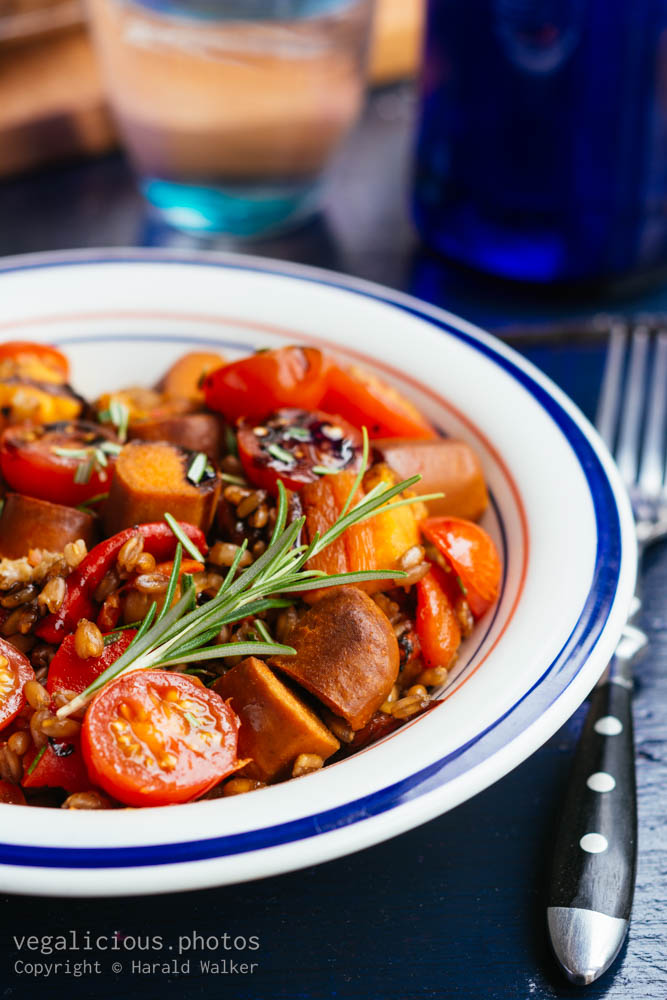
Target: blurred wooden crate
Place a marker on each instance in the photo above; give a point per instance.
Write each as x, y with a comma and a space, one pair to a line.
51, 102
396, 45
51, 97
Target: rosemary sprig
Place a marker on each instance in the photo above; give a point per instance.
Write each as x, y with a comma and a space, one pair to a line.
181, 633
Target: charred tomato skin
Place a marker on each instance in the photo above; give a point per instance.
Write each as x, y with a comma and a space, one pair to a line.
34, 460
296, 447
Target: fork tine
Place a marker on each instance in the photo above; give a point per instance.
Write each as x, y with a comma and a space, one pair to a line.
652, 470
610, 392
628, 443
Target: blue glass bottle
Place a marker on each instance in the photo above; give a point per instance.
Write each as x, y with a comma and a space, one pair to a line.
542, 142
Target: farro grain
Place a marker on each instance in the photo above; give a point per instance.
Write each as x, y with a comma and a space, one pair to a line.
53, 594
239, 786
88, 641
130, 553
19, 742
86, 800
75, 552
306, 763
36, 695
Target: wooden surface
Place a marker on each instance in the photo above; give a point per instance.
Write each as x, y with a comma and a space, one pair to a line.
455, 909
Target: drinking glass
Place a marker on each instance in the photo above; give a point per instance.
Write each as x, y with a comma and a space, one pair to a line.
230, 109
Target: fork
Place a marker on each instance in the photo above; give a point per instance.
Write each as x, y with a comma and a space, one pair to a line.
594, 858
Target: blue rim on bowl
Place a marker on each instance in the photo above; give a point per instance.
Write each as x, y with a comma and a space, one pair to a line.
612, 582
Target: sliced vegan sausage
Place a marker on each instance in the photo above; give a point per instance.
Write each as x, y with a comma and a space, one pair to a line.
194, 431
27, 523
446, 466
152, 478
346, 654
276, 725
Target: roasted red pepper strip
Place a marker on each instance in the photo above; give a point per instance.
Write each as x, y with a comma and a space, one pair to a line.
69, 672
437, 623
59, 766
159, 540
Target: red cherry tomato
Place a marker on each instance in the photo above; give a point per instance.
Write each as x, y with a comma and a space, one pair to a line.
437, 622
152, 737
11, 793
15, 672
46, 461
269, 380
25, 352
297, 447
367, 401
472, 556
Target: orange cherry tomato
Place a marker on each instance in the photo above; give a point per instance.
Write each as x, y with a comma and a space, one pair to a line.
153, 737
296, 447
27, 352
15, 672
45, 461
472, 556
269, 380
437, 622
367, 401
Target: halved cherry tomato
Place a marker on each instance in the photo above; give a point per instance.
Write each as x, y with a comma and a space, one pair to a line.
27, 353
367, 401
69, 672
15, 672
11, 793
472, 556
437, 622
297, 447
269, 380
152, 737
46, 461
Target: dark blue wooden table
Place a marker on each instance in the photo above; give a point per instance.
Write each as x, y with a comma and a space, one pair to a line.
454, 909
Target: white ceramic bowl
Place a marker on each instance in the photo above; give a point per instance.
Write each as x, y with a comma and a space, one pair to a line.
559, 516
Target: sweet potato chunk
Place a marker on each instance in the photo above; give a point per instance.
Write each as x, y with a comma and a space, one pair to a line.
446, 466
27, 523
151, 478
377, 543
276, 726
346, 654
